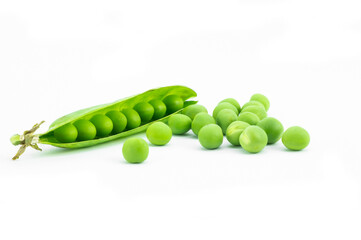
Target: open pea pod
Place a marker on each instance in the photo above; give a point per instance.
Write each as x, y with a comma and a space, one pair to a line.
30, 139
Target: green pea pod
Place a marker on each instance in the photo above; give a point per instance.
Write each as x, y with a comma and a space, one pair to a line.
30, 139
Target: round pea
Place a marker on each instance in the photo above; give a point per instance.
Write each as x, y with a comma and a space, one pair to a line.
210, 136
224, 118
252, 103
253, 139
262, 99
295, 138
232, 101
201, 120
234, 131
145, 111
66, 133
159, 108
179, 123
135, 150
259, 111
159, 133
173, 103
103, 124
192, 110
86, 130
223, 105
133, 118
273, 129
119, 121
248, 117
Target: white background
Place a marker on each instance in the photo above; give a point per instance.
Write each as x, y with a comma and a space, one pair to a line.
59, 56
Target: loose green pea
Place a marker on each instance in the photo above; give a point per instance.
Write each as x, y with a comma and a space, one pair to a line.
273, 129
66, 133
211, 136
192, 110
159, 133
103, 124
224, 118
133, 118
248, 117
86, 130
119, 121
179, 123
253, 103
259, 111
135, 150
223, 105
173, 103
145, 111
234, 102
201, 120
234, 131
295, 138
159, 108
262, 99
253, 139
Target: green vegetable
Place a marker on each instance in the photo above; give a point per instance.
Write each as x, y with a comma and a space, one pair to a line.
234, 102
159, 133
223, 105
86, 130
145, 111
119, 121
201, 120
273, 129
248, 117
234, 131
173, 103
295, 138
259, 111
192, 110
224, 118
103, 125
262, 99
210, 136
66, 133
135, 150
159, 108
253, 139
133, 118
179, 123
253, 103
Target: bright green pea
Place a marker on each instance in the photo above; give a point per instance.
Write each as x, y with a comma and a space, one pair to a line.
234, 102
262, 99
295, 138
259, 111
252, 103
192, 110
179, 123
248, 117
66, 133
103, 124
223, 105
234, 131
211, 136
159, 133
273, 129
253, 139
119, 121
201, 120
224, 118
145, 111
135, 150
159, 108
133, 118
86, 130
173, 103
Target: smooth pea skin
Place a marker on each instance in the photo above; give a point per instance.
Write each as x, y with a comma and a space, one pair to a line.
145, 111
201, 120
173, 103
133, 118
259, 111
234, 102
179, 123
192, 110
159, 133
211, 136
234, 131
248, 117
159, 108
253, 139
252, 103
103, 124
224, 105
135, 150
262, 99
66, 134
119, 121
273, 129
295, 138
225, 118
86, 130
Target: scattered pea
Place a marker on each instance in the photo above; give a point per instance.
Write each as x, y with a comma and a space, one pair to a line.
273, 129
211, 136
179, 123
262, 99
145, 111
119, 121
248, 117
159, 108
133, 118
295, 138
159, 133
103, 124
224, 118
86, 130
259, 111
234, 131
173, 103
66, 133
253, 139
223, 105
253, 103
201, 120
135, 150
234, 102
192, 110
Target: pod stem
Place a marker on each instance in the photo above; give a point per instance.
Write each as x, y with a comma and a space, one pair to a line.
27, 139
